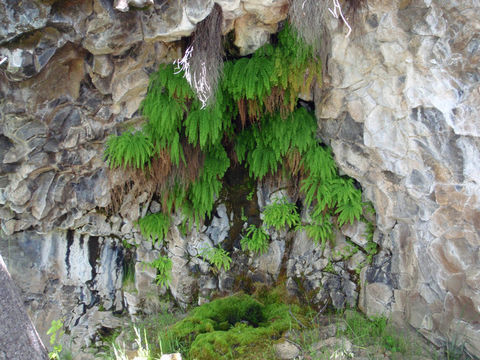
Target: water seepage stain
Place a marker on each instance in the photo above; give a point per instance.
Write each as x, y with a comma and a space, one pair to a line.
70, 234
93, 254
239, 194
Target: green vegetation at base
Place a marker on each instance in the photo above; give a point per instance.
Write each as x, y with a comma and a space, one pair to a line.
236, 327
377, 331
231, 328
247, 327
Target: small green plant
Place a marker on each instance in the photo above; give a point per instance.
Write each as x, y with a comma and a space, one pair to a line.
154, 226
143, 347
217, 257
329, 268
164, 268
255, 239
376, 330
347, 252
55, 331
251, 194
281, 213
243, 217
129, 149
349, 201
455, 351
127, 245
128, 280
371, 248
320, 230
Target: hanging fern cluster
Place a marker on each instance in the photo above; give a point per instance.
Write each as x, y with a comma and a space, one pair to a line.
185, 149
272, 78
265, 146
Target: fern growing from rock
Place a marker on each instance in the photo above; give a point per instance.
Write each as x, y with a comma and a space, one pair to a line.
154, 226
255, 240
281, 213
186, 148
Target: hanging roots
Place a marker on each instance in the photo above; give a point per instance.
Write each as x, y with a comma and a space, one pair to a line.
202, 63
308, 18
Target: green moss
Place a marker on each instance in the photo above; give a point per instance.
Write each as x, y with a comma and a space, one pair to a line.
230, 327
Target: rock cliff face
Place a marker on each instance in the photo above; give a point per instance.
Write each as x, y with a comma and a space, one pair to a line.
398, 108
401, 113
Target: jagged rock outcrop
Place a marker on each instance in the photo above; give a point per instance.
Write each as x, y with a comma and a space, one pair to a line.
401, 114
398, 108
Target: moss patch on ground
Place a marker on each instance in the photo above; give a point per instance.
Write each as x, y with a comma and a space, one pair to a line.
236, 327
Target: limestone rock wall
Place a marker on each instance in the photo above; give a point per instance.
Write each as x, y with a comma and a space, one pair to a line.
401, 113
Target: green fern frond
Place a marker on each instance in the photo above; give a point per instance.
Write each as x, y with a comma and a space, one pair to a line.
264, 146
174, 198
281, 213
165, 117
244, 144
248, 78
320, 163
205, 127
172, 79
262, 161
205, 189
176, 150
344, 191
320, 230
349, 201
154, 227
129, 150
348, 212
163, 265
217, 257
255, 239
202, 194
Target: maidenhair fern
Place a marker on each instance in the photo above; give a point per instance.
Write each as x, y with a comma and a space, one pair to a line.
255, 240
249, 78
218, 257
163, 265
320, 229
281, 213
129, 150
349, 202
265, 145
185, 147
204, 190
154, 226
